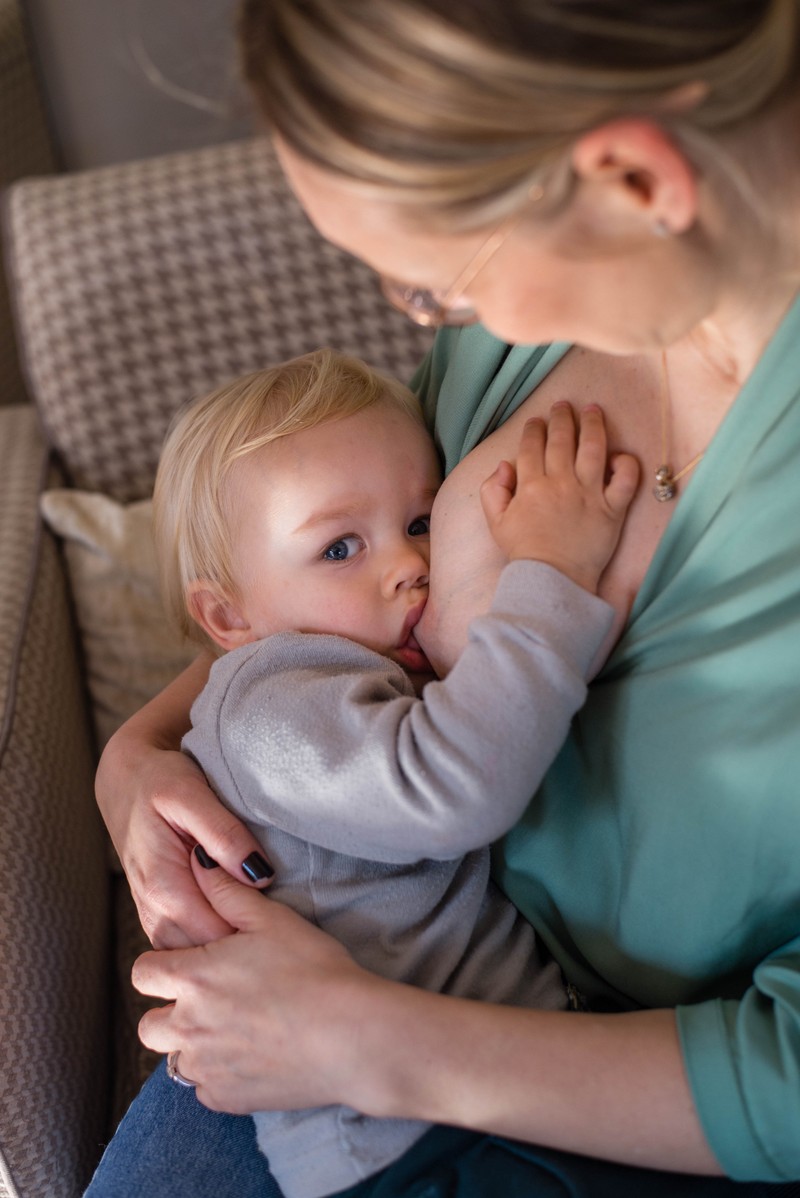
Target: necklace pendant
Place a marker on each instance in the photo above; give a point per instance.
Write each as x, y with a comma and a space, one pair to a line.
664, 490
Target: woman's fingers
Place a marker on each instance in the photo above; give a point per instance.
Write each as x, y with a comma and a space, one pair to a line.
200, 818
171, 909
176, 811
241, 907
157, 973
246, 1011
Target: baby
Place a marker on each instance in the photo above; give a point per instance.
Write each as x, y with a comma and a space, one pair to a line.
292, 516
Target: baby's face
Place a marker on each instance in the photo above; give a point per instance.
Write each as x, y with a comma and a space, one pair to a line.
332, 532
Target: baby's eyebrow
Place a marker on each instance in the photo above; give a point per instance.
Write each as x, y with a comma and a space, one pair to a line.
329, 516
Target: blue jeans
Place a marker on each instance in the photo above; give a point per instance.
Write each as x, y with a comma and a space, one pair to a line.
170, 1146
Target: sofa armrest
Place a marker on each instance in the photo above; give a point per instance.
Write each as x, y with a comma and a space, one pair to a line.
54, 926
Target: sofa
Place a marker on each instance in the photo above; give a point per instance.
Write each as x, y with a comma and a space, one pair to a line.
134, 288
25, 149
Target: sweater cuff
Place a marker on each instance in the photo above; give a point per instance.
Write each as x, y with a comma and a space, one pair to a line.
566, 616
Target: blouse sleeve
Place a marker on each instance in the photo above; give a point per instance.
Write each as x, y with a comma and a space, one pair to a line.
743, 1061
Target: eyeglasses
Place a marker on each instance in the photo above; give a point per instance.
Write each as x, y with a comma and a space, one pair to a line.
451, 308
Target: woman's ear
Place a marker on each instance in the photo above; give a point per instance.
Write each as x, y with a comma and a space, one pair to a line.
218, 615
647, 171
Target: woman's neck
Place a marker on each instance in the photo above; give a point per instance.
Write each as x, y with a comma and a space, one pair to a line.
728, 344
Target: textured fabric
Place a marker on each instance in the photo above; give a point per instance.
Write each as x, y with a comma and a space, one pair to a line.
53, 898
133, 1063
322, 746
161, 1134
24, 150
23, 461
131, 651
674, 800
142, 285
155, 1153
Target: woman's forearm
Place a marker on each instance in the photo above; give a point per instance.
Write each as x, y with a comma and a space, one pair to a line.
279, 1017
163, 721
609, 1086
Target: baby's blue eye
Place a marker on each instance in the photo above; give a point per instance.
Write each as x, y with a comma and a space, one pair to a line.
342, 549
420, 527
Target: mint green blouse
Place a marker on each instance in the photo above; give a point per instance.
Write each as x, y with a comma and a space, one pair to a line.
660, 861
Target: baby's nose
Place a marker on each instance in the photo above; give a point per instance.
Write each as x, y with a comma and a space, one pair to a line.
409, 570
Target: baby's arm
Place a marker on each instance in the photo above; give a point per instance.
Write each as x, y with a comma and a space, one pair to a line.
324, 739
563, 503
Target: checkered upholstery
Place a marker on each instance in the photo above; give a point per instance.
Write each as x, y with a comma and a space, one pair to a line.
141, 285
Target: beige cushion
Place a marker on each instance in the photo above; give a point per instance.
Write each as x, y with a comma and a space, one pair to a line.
131, 651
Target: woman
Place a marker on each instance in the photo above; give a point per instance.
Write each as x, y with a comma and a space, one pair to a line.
623, 178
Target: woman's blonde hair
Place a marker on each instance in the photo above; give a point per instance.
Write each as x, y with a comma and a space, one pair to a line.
192, 500
454, 109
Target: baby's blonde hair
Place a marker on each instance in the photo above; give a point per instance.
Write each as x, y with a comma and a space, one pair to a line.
192, 509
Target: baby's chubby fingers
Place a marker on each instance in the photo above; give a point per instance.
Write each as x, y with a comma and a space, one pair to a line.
530, 461
559, 455
497, 491
591, 454
623, 483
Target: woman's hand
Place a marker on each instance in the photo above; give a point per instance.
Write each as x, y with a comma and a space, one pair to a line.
157, 807
262, 1018
277, 1016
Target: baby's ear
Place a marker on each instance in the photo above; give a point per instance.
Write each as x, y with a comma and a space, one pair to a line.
219, 615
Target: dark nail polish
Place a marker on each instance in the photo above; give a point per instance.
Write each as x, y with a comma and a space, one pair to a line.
256, 869
204, 859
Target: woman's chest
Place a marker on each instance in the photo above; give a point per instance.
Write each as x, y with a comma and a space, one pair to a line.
465, 560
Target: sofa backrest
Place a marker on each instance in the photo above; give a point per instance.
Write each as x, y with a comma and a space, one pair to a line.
139, 286
24, 150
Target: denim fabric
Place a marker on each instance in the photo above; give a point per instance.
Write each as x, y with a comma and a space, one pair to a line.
170, 1146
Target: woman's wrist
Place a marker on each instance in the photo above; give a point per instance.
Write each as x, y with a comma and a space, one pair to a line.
610, 1086
162, 722
392, 1056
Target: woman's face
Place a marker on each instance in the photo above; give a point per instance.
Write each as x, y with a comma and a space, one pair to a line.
551, 279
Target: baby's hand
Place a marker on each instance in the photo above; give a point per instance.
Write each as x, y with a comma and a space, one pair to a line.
564, 502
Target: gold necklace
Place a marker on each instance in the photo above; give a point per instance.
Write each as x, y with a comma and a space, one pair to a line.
665, 488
